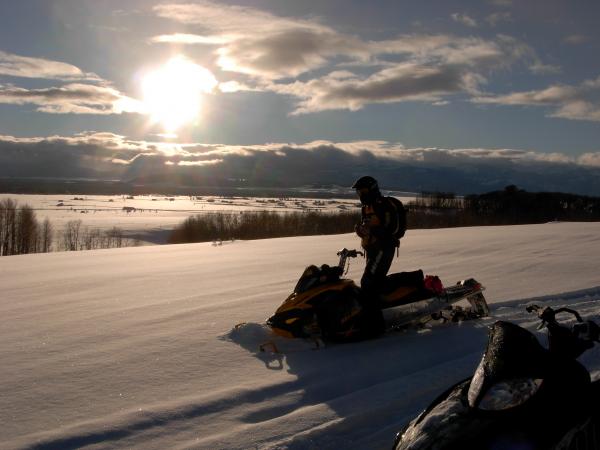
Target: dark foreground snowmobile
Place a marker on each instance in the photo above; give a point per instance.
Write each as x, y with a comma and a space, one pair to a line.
522, 395
327, 306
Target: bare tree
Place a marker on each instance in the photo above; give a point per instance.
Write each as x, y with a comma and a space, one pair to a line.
8, 226
27, 231
71, 235
46, 236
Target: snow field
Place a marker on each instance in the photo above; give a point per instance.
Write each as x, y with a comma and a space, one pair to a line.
134, 348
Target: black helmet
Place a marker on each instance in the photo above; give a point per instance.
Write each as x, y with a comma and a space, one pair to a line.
365, 182
367, 188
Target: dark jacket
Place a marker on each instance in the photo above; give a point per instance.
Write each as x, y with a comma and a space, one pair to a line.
379, 220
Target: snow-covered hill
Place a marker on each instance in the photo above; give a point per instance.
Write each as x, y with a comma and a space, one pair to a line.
133, 348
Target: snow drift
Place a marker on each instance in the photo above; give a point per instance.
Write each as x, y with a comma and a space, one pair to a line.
134, 348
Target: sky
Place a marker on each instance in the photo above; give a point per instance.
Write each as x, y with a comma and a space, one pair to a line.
462, 96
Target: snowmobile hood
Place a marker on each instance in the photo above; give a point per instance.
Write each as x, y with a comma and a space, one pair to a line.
514, 361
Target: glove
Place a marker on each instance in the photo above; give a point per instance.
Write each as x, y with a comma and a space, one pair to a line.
361, 230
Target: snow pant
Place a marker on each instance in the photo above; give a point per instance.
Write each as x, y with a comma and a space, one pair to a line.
379, 261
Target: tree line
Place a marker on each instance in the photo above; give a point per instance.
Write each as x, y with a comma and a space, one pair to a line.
261, 225
511, 206
21, 233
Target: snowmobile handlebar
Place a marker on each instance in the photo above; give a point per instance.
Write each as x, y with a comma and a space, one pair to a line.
587, 330
349, 253
344, 254
548, 314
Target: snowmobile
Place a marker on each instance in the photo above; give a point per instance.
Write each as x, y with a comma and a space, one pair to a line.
522, 395
326, 306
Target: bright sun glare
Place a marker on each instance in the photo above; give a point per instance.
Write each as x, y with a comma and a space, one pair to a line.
172, 93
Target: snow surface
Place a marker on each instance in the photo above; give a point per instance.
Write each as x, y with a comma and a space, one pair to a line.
151, 217
134, 347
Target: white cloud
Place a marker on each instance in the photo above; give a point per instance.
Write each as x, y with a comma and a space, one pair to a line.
403, 82
269, 50
569, 102
186, 38
540, 68
589, 159
464, 19
497, 17
287, 47
28, 67
575, 39
235, 86
501, 3
74, 98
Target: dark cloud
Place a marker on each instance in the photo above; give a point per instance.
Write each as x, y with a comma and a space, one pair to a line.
109, 156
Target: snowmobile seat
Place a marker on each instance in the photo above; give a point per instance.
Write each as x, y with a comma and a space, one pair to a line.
404, 287
414, 279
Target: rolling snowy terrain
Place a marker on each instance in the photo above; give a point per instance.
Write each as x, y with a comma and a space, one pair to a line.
150, 218
135, 347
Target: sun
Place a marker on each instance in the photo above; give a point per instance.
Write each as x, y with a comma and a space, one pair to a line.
173, 93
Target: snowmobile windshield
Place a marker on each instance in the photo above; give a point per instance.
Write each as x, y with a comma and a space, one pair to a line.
314, 276
511, 370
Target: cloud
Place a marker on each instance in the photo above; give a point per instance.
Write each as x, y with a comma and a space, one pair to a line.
284, 46
575, 39
497, 17
590, 159
235, 86
111, 156
540, 68
74, 98
568, 102
285, 55
27, 67
403, 82
78, 96
501, 3
464, 19
191, 39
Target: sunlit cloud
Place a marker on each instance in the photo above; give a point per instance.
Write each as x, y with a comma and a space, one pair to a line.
235, 86
540, 68
210, 162
576, 39
111, 156
464, 19
28, 67
191, 39
407, 82
590, 159
498, 17
74, 98
501, 3
376, 71
568, 102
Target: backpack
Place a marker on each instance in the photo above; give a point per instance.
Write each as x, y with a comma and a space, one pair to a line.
397, 205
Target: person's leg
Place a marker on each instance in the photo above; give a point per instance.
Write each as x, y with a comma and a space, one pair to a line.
378, 264
372, 281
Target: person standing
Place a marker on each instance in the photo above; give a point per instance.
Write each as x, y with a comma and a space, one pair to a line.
383, 223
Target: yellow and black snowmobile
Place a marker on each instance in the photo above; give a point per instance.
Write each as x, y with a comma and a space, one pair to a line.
327, 306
